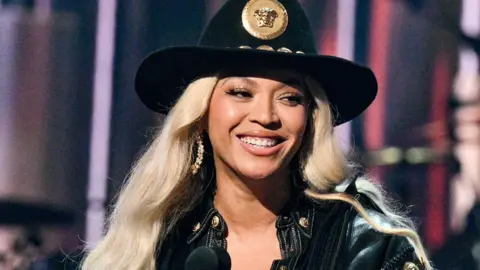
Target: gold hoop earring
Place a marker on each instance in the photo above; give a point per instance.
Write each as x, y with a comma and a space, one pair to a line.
200, 151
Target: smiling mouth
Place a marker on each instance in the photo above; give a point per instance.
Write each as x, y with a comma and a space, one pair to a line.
260, 142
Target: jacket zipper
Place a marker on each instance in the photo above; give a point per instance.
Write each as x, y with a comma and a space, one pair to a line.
399, 258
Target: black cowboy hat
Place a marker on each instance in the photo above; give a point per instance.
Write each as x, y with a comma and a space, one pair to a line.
272, 34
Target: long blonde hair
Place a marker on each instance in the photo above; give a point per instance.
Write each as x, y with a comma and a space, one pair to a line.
160, 189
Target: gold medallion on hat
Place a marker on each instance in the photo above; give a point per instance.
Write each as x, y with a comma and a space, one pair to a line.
264, 19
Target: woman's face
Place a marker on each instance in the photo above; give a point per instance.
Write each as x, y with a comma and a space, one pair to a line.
256, 123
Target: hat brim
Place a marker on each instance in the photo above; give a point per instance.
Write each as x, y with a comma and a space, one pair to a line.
163, 75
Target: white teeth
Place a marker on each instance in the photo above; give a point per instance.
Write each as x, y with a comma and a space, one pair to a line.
259, 142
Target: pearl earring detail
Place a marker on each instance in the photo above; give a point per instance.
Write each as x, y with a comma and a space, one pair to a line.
200, 151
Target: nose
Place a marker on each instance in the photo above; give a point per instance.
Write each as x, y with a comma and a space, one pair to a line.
263, 112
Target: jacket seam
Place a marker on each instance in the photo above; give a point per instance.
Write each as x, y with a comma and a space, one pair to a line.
345, 229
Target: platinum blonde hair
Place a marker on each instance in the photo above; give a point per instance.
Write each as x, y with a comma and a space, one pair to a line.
160, 190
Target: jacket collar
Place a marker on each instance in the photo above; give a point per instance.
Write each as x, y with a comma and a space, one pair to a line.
298, 212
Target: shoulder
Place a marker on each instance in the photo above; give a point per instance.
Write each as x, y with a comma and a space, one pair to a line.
367, 247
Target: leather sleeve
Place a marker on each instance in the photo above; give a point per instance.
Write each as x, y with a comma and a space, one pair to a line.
370, 249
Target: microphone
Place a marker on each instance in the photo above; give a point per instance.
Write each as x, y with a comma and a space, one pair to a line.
204, 258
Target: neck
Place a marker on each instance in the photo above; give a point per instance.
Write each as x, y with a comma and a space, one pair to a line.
248, 204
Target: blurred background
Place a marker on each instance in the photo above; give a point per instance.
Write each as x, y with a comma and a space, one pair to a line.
71, 125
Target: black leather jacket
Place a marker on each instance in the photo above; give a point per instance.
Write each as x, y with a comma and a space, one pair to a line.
312, 235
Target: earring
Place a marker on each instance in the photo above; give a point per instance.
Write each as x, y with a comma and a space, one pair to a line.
198, 161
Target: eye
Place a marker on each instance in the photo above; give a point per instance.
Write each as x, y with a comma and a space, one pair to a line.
292, 99
240, 93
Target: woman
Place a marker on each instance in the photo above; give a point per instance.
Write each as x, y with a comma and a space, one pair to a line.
246, 160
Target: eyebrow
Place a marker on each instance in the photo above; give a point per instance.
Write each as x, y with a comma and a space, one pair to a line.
296, 82
249, 82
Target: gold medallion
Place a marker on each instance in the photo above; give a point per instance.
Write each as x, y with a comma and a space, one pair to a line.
264, 19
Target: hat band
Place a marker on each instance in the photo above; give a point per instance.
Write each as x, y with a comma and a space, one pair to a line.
269, 48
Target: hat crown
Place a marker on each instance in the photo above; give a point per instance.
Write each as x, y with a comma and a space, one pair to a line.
227, 28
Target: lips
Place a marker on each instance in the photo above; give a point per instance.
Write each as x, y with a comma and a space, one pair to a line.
261, 143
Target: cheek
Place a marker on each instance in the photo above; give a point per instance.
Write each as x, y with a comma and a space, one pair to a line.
223, 116
222, 112
295, 121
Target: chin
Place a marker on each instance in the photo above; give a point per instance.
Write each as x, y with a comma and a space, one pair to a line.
258, 171
257, 176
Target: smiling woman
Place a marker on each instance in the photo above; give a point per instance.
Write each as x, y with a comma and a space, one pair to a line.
261, 117
246, 162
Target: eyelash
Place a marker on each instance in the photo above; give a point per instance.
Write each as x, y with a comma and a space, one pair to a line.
297, 100
239, 91
244, 93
